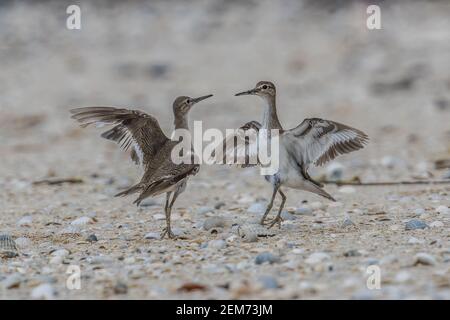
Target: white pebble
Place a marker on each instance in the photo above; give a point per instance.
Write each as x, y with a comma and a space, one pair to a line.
25, 221
414, 240
257, 207
317, 257
22, 242
43, 291
159, 216
60, 253
81, 221
443, 210
425, 259
347, 189
217, 244
317, 205
152, 235
436, 224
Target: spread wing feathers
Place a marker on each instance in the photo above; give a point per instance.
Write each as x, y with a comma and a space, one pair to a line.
132, 128
318, 141
239, 148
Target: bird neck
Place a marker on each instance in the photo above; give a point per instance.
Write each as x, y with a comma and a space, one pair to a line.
181, 122
270, 118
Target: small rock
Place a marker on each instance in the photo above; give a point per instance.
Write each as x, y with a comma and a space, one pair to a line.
214, 222
60, 253
436, 224
425, 259
120, 288
43, 291
217, 244
415, 224
12, 281
152, 236
414, 240
287, 216
23, 242
81, 221
257, 207
352, 253
92, 238
317, 257
347, 189
391, 162
446, 175
204, 210
219, 205
159, 216
402, 276
443, 210
266, 257
335, 171
304, 210
26, 221
419, 211
347, 223
56, 260
317, 205
268, 282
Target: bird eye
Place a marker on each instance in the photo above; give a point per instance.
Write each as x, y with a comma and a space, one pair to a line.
264, 87
188, 101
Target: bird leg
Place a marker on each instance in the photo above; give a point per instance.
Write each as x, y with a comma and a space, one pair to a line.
168, 208
269, 206
278, 219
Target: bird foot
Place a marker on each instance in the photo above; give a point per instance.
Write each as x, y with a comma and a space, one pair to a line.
276, 220
169, 233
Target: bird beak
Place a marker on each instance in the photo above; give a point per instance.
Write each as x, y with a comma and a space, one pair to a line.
195, 100
252, 91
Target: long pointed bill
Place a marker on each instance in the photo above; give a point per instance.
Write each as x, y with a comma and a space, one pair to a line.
252, 91
195, 100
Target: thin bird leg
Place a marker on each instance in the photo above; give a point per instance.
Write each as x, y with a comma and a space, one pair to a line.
278, 218
166, 208
170, 234
269, 206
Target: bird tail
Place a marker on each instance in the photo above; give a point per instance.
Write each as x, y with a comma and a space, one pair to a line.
133, 189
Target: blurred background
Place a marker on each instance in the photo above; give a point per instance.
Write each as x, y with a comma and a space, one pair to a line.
392, 83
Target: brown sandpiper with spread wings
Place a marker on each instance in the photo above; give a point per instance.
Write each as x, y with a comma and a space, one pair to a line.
150, 147
314, 141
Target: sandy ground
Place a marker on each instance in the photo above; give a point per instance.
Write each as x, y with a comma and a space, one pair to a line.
392, 83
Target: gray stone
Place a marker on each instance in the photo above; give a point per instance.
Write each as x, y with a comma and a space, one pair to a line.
204, 210
257, 207
12, 281
287, 216
217, 244
268, 282
153, 236
304, 210
266, 257
214, 222
425, 259
92, 238
415, 224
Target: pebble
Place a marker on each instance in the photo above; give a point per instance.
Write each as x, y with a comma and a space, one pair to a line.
266, 257
153, 236
23, 242
446, 175
43, 291
159, 216
414, 240
287, 216
347, 189
335, 171
425, 259
317, 205
81, 221
120, 288
304, 210
436, 224
219, 205
402, 276
347, 223
268, 282
419, 211
12, 281
204, 210
257, 207
217, 244
415, 224
352, 253
92, 238
60, 253
214, 222
317, 257
443, 210
25, 221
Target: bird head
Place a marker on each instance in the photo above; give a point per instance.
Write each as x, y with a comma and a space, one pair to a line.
183, 104
264, 89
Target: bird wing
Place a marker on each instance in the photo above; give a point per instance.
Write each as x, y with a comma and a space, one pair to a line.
318, 141
133, 128
240, 147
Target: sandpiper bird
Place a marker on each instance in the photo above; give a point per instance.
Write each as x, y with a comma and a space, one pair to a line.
314, 141
150, 147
